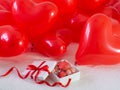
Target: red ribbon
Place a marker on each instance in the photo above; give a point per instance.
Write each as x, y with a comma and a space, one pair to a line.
37, 70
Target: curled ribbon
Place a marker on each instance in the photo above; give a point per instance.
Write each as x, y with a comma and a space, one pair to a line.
36, 69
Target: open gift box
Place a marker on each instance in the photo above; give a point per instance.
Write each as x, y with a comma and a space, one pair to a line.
74, 76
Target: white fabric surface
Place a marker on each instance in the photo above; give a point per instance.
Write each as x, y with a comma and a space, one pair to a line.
92, 77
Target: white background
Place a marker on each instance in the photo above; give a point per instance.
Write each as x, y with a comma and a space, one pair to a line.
92, 77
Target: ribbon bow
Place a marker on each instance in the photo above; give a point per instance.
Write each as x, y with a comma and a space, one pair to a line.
38, 69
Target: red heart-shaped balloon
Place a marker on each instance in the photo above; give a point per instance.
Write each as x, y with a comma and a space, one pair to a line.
34, 18
98, 43
12, 42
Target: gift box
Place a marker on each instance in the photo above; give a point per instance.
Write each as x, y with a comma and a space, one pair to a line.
74, 76
40, 69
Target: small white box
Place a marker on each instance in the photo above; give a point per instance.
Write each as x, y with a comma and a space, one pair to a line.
74, 77
43, 74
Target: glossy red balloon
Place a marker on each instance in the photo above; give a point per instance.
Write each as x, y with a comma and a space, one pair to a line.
111, 12
12, 42
35, 18
65, 34
57, 25
51, 45
64, 6
98, 44
91, 6
76, 23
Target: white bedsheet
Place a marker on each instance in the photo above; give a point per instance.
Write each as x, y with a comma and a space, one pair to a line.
92, 78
